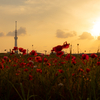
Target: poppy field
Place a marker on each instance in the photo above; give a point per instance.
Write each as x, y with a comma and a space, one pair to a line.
57, 76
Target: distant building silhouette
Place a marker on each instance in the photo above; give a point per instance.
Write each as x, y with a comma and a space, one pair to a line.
16, 36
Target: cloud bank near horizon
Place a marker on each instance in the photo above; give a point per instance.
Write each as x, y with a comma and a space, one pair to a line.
20, 31
86, 35
62, 34
1, 34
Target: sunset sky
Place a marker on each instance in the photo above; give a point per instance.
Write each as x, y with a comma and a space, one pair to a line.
48, 23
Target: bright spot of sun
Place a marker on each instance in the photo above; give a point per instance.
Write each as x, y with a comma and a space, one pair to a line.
96, 29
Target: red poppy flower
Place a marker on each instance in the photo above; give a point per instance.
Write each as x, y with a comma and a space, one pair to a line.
45, 59
15, 48
30, 77
22, 64
85, 56
73, 57
56, 74
1, 66
24, 53
28, 65
67, 57
48, 55
87, 70
57, 48
18, 72
73, 74
93, 55
33, 53
59, 53
7, 67
26, 70
24, 50
21, 49
73, 62
5, 57
60, 70
31, 62
80, 70
14, 65
38, 59
63, 62
98, 59
55, 60
30, 58
48, 64
60, 47
42, 55
9, 60
39, 70
65, 45
12, 52
3, 61
98, 63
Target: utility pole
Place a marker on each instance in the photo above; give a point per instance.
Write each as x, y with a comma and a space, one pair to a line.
45, 51
71, 48
78, 48
27, 51
32, 47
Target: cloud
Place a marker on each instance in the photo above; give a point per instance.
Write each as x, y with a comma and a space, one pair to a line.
20, 31
62, 34
11, 2
1, 34
98, 38
86, 35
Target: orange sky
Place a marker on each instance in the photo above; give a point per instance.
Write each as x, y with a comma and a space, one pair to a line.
48, 23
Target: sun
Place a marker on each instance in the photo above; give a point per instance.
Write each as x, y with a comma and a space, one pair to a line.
96, 29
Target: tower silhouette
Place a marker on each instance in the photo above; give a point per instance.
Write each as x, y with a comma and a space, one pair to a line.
16, 36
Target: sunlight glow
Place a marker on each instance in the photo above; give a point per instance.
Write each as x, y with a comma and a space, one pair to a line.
96, 29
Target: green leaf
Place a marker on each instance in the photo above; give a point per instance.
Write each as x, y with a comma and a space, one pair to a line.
16, 90
23, 93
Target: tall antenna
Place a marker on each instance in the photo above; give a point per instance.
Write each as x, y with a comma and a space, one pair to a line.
16, 36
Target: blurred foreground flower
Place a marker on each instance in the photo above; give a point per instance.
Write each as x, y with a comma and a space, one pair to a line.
65, 45
57, 48
60, 47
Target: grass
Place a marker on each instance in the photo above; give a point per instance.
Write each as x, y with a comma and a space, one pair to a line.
66, 77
